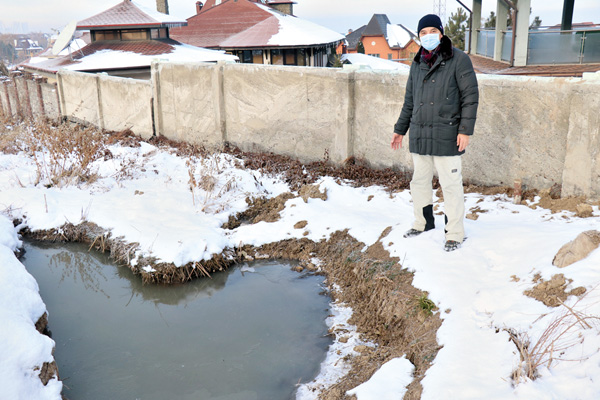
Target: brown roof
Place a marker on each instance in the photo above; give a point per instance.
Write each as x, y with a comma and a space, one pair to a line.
486, 65
254, 36
128, 14
216, 24
143, 47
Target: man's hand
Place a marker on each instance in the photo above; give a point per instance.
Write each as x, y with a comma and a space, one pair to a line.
397, 141
462, 141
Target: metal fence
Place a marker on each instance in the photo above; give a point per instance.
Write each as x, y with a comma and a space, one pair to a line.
547, 46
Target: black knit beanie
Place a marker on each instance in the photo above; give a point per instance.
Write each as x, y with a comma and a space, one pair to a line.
430, 20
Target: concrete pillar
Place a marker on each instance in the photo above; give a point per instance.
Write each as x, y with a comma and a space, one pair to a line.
522, 33
502, 10
40, 96
27, 109
8, 105
101, 123
476, 24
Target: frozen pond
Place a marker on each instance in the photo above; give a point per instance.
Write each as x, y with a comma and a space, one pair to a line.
241, 335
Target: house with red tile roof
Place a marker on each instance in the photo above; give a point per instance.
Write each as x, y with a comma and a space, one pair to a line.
124, 40
380, 38
259, 31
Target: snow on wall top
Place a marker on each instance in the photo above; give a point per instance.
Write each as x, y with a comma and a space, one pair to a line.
373, 62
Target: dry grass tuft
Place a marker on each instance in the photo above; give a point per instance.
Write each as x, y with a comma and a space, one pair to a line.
563, 333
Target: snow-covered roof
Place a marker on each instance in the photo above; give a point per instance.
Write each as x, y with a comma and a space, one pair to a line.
373, 62
106, 56
294, 31
248, 24
380, 25
399, 35
130, 14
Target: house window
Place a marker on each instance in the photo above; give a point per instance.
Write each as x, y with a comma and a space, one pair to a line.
245, 56
137, 34
301, 57
289, 57
374, 55
389, 56
161, 33
106, 35
413, 55
276, 57
257, 56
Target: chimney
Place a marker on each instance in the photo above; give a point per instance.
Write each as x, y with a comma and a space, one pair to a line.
286, 7
162, 6
199, 6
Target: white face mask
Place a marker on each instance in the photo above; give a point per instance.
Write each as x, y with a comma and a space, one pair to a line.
430, 41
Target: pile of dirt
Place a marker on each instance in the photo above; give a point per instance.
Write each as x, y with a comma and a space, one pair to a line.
553, 292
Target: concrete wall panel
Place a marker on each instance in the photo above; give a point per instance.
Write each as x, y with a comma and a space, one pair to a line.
521, 131
36, 106
50, 96
187, 102
126, 104
300, 112
582, 164
79, 97
379, 98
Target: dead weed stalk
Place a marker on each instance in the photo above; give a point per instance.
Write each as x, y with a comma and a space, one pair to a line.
64, 154
207, 176
563, 333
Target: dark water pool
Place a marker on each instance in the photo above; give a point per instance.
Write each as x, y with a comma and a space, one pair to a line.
238, 336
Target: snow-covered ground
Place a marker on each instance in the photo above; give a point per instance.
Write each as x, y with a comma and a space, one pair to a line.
143, 194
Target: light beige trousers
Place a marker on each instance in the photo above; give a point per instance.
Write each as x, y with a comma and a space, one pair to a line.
449, 171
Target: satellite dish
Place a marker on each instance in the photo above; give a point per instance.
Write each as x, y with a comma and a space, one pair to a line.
65, 38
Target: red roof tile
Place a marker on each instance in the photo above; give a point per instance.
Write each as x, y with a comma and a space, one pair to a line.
256, 36
216, 24
128, 14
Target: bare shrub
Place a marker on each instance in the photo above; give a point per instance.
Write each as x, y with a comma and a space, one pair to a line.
64, 154
563, 332
206, 176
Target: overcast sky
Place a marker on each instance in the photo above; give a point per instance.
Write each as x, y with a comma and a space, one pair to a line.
20, 16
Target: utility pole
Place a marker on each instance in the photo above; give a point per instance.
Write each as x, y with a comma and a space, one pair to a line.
439, 8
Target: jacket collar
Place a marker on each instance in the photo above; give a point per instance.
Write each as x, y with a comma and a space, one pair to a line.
446, 51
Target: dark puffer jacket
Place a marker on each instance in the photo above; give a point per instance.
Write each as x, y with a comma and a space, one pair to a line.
440, 102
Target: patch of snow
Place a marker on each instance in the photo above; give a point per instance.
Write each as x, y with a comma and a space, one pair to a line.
374, 63
149, 7
294, 31
23, 350
397, 36
388, 383
111, 59
335, 365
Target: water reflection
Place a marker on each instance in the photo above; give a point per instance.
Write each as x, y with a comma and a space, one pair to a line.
236, 336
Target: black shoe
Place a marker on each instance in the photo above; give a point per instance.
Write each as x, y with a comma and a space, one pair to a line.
412, 233
451, 245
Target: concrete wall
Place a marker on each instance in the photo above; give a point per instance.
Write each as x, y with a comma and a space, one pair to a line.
125, 104
301, 112
541, 130
29, 98
107, 102
187, 104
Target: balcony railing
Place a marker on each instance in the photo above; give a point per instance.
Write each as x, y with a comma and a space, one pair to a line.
547, 46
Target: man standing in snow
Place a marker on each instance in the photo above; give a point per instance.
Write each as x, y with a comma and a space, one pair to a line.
440, 107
